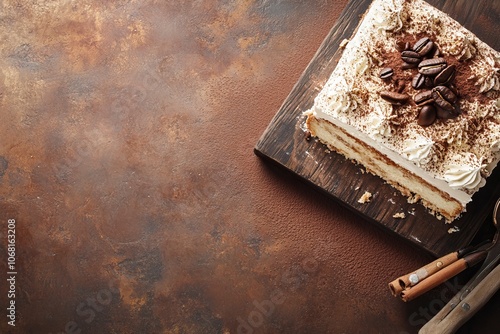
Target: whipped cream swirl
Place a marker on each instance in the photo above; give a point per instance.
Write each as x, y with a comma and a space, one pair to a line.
389, 17
362, 64
495, 150
495, 147
341, 104
418, 150
490, 81
465, 176
464, 49
340, 101
378, 121
468, 50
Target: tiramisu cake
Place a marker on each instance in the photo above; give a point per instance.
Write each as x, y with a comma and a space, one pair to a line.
415, 99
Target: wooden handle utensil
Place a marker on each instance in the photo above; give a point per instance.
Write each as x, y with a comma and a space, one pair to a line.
442, 275
462, 312
401, 283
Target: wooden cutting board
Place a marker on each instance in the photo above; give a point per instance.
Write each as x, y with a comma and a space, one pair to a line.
284, 142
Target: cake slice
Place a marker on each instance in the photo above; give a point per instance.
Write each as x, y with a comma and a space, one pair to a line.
415, 99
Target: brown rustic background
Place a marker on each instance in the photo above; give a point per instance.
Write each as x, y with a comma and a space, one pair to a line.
126, 137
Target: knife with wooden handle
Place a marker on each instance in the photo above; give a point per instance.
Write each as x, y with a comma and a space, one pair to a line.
466, 308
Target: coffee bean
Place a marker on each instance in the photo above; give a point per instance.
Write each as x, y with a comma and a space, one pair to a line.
394, 97
454, 89
423, 98
441, 113
436, 52
407, 66
386, 73
429, 83
445, 76
399, 85
400, 45
444, 97
400, 88
423, 46
407, 46
410, 57
427, 115
418, 81
447, 114
446, 92
432, 66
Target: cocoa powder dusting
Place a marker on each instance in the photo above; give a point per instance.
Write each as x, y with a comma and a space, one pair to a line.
465, 82
401, 77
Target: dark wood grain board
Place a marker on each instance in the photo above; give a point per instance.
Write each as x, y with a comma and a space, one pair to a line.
284, 143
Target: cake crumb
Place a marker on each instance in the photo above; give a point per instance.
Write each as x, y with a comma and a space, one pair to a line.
343, 43
413, 199
308, 135
399, 215
367, 196
453, 229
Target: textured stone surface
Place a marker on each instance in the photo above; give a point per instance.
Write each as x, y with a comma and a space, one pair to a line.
126, 138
